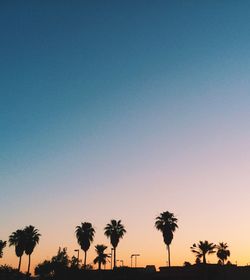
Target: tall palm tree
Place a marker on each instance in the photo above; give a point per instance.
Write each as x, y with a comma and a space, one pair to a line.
222, 252
2, 246
115, 231
202, 249
167, 224
101, 256
85, 235
17, 239
31, 240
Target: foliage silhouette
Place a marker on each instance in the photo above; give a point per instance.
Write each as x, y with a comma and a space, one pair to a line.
56, 266
222, 252
203, 248
31, 240
2, 246
17, 239
85, 235
115, 231
167, 224
101, 256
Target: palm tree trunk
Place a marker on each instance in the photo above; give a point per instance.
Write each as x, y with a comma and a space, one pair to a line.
19, 264
28, 272
99, 265
85, 259
168, 247
204, 259
114, 257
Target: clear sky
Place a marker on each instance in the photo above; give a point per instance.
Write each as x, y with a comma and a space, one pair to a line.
125, 109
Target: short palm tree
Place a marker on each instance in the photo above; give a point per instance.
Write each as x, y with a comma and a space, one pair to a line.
2, 246
115, 231
166, 222
31, 240
85, 235
203, 248
222, 252
17, 239
101, 256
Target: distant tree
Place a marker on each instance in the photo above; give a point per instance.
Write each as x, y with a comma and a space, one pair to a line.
167, 224
44, 269
31, 240
202, 249
115, 231
101, 256
85, 235
197, 260
17, 239
222, 252
2, 246
187, 264
56, 267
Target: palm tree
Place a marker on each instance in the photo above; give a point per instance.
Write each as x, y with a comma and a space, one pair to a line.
17, 239
115, 230
167, 224
203, 248
2, 246
223, 253
101, 256
31, 240
85, 235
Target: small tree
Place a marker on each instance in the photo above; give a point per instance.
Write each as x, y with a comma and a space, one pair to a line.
202, 249
222, 252
101, 256
2, 246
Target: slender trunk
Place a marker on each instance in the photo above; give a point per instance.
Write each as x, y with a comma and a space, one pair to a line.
85, 259
168, 247
28, 272
204, 259
19, 264
99, 265
114, 257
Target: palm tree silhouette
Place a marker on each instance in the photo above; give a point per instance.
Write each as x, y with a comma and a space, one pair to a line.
167, 224
2, 246
101, 256
223, 253
115, 230
85, 235
31, 240
203, 248
17, 239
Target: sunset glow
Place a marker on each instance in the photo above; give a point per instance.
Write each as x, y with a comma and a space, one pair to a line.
123, 110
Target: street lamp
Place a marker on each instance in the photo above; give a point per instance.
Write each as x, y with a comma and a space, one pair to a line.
134, 255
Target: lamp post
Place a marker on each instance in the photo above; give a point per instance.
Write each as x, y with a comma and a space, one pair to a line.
134, 255
77, 250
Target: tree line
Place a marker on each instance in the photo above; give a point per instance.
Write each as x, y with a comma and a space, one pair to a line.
25, 240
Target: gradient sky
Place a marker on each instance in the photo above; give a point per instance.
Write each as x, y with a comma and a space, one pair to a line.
125, 109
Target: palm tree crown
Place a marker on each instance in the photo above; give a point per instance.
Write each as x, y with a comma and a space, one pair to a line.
202, 249
166, 222
115, 231
17, 239
222, 251
85, 235
2, 246
101, 256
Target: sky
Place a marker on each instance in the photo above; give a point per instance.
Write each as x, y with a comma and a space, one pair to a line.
123, 110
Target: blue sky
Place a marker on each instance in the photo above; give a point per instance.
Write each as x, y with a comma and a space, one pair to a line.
103, 98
